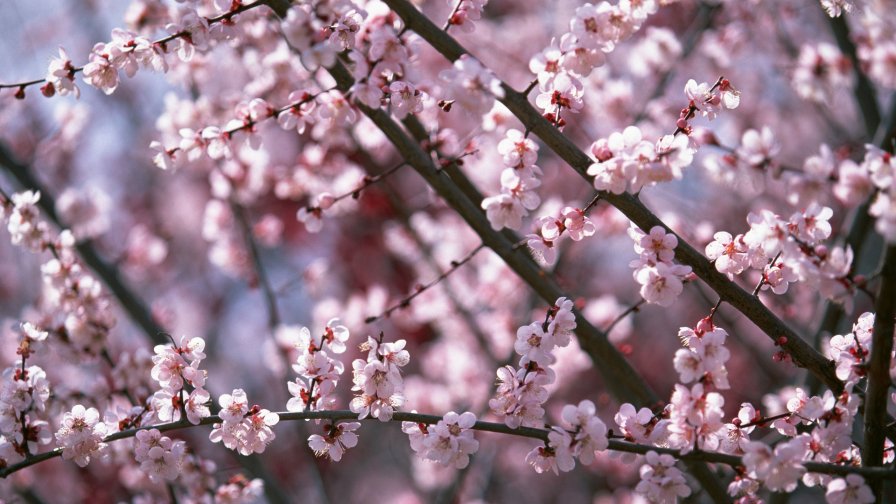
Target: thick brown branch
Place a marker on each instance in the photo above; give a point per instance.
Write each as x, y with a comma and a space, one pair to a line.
879, 363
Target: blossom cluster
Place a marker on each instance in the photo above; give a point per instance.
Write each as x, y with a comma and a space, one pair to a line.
318, 371
243, 429
627, 162
24, 392
661, 279
159, 456
519, 179
128, 52
661, 481
81, 435
450, 442
786, 251
580, 435
521, 391
174, 368
465, 12
571, 222
75, 301
377, 379
593, 31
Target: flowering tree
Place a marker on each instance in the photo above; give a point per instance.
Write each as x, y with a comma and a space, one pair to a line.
496, 213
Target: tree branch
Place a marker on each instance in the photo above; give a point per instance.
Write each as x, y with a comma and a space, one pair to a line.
622, 380
801, 352
876, 473
879, 363
136, 309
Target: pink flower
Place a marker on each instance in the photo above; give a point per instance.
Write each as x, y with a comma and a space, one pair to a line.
336, 440
516, 150
61, 75
661, 283
728, 253
100, 72
81, 435
298, 115
851, 490
160, 458
233, 406
661, 481
342, 32
758, 149
602, 26
780, 469
640, 426
590, 433
197, 405
533, 344
405, 99
450, 442
473, 86
563, 92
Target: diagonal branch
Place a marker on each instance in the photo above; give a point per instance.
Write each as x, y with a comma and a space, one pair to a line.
622, 380
801, 352
135, 307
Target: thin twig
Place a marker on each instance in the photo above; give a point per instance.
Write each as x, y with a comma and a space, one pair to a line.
420, 289
500, 428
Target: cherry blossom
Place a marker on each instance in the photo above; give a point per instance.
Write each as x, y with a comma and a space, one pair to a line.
61, 75
450, 442
661, 481
472, 85
81, 435
338, 438
100, 72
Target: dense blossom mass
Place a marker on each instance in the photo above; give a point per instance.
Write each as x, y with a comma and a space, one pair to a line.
493, 214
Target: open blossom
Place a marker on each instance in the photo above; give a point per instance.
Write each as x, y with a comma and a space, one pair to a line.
243, 429
24, 389
197, 38
61, 75
465, 13
555, 457
516, 150
589, 432
849, 490
233, 406
405, 99
731, 255
342, 32
159, 456
473, 86
336, 440
601, 26
100, 72
820, 70
781, 469
661, 481
24, 223
81, 435
508, 208
661, 283
640, 426
378, 381
450, 442
563, 92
